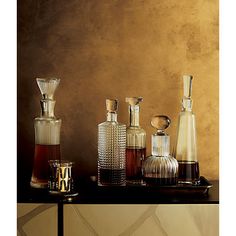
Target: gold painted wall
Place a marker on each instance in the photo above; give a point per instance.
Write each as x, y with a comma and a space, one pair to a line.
115, 49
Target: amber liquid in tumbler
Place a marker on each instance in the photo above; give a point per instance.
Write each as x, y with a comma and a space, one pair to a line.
188, 172
44, 153
134, 161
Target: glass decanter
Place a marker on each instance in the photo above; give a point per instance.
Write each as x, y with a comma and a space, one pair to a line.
135, 143
160, 168
47, 134
186, 146
111, 148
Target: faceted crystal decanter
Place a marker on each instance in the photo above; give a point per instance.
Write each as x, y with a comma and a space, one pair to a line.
135, 143
111, 148
160, 168
47, 134
186, 147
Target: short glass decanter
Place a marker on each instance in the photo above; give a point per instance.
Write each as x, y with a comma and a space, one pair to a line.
135, 143
47, 133
186, 145
111, 148
160, 168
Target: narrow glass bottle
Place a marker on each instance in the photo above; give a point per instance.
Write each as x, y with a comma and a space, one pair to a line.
111, 148
186, 144
135, 143
160, 168
47, 134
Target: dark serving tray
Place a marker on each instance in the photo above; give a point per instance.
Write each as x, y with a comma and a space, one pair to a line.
202, 188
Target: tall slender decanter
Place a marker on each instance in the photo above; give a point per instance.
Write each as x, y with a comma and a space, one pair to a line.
135, 143
111, 148
186, 145
47, 134
160, 168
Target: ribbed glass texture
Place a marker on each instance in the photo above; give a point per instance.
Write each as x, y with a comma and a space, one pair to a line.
160, 170
111, 153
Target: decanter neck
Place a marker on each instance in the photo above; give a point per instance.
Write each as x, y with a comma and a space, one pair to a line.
160, 144
47, 108
112, 116
134, 115
187, 104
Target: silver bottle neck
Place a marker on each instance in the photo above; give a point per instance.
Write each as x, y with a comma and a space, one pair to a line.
47, 108
134, 115
112, 116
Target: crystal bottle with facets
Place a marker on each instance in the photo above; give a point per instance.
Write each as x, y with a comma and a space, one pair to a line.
160, 168
111, 148
186, 146
135, 143
47, 134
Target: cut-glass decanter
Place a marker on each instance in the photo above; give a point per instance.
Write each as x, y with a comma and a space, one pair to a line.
135, 143
47, 133
186, 146
111, 148
160, 168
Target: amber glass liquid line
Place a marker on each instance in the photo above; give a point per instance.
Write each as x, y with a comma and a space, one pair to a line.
44, 153
188, 171
134, 161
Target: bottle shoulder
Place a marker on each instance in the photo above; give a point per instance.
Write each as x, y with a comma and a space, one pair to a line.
47, 120
135, 130
111, 123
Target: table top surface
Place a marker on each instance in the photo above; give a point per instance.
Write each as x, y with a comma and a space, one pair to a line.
90, 193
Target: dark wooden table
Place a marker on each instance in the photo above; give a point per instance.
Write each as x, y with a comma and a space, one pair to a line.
90, 193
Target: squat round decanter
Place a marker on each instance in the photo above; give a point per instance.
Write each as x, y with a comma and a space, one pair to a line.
160, 168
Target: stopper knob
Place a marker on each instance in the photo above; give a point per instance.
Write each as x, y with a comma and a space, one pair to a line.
134, 100
111, 105
47, 86
160, 122
187, 85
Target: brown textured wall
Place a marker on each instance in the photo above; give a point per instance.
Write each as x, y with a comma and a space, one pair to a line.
119, 48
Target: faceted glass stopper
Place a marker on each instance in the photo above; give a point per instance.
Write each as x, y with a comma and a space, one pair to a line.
160, 122
134, 100
187, 85
111, 105
47, 86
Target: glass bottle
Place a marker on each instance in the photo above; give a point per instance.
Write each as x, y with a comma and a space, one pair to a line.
47, 133
186, 146
160, 168
111, 148
135, 143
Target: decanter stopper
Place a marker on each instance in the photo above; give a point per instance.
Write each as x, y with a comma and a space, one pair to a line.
187, 101
134, 100
47, 87
111, 105
160, 123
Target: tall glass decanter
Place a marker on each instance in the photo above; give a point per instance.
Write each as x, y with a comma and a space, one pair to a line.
186, 144
111, 148
160, 168
135, 143
47, 133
